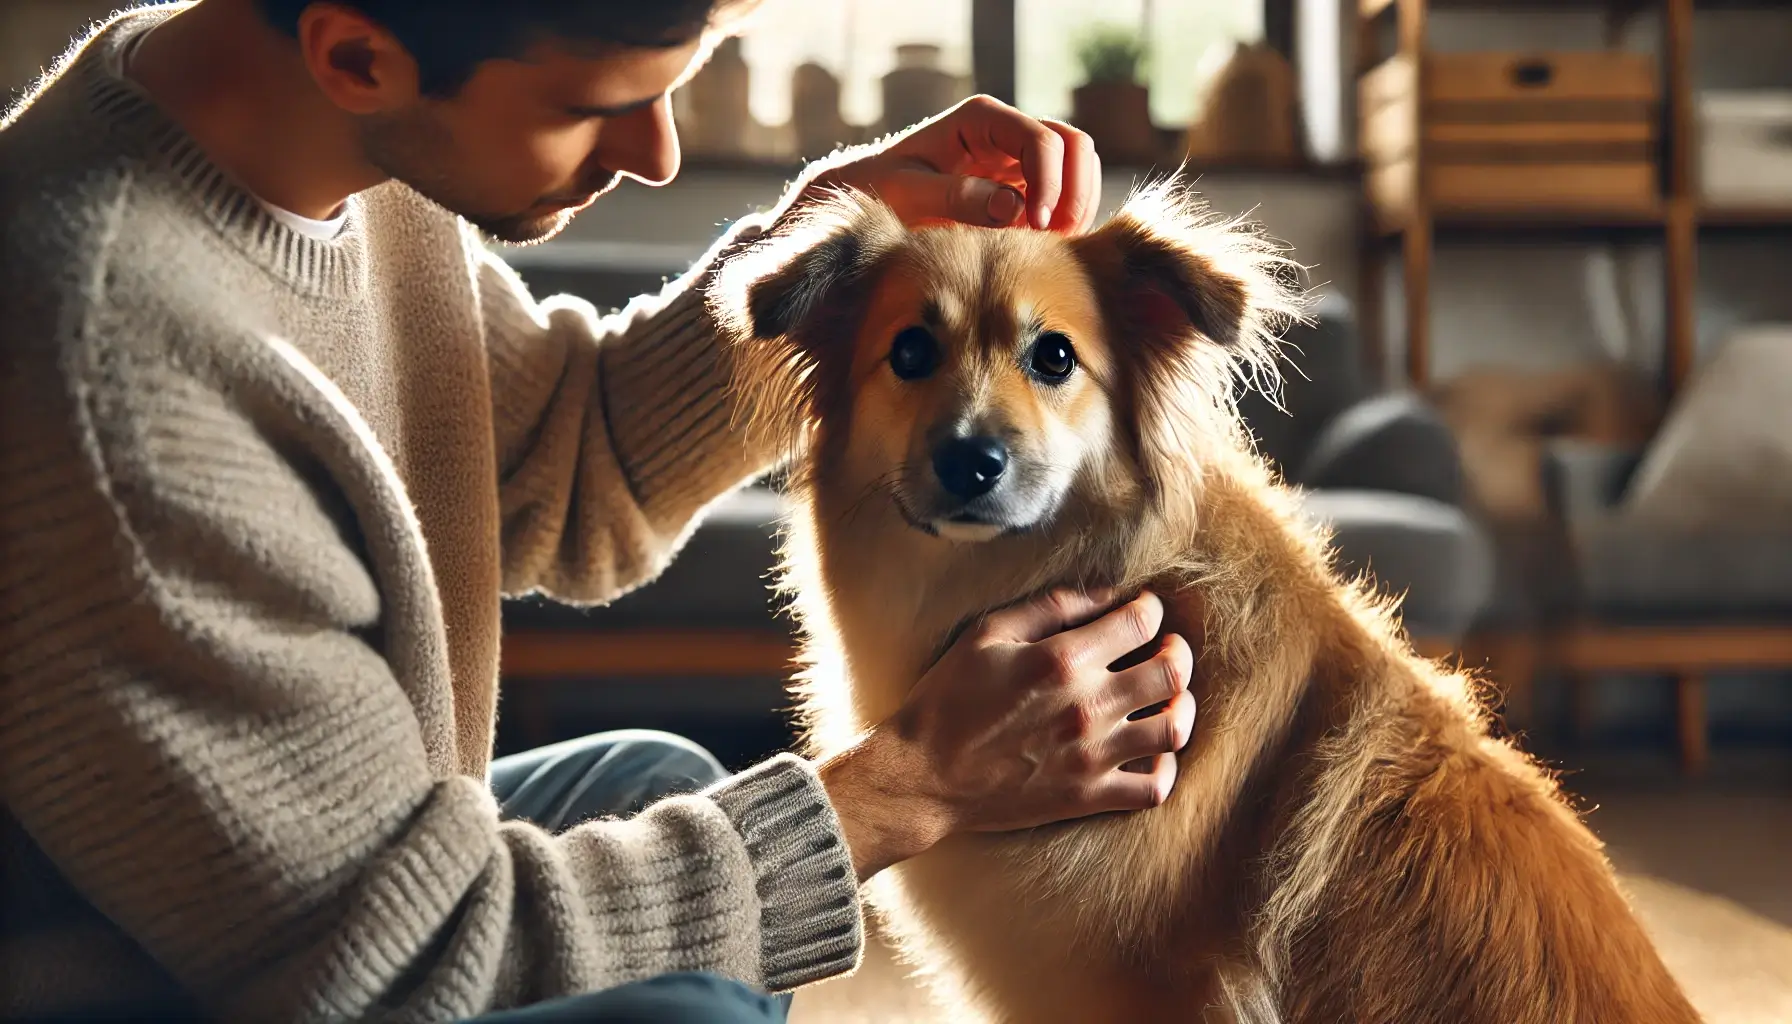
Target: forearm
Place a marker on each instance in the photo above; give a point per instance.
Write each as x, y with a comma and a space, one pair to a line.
613, 433
886, 811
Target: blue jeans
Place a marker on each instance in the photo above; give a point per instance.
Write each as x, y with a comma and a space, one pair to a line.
617, 773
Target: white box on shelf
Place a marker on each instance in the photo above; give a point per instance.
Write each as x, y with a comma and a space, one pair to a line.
1745, 146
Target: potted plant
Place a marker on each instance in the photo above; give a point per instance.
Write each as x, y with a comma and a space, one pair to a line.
1112, 104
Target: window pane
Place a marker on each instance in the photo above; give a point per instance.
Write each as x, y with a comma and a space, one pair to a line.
1182, 37
856, 43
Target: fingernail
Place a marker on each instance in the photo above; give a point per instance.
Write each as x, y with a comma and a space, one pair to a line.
1042, 219
1004, 205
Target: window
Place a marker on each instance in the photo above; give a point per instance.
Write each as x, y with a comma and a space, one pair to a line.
1183, 38
806, 76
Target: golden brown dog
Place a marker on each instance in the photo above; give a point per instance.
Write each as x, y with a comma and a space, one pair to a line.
983, 415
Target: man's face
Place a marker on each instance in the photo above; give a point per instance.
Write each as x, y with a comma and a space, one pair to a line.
526, 144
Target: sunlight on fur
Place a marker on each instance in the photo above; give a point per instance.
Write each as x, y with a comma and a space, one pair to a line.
976, 416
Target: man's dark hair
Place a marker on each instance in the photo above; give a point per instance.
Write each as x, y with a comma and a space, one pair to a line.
449, 38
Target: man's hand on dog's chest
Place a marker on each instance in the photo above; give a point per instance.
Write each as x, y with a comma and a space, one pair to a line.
1025, 721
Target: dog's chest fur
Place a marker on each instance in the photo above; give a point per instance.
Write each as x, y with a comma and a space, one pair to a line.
1024, 908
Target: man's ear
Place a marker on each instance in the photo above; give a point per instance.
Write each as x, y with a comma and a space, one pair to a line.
790, 305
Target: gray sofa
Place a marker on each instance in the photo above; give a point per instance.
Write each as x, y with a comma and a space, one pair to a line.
1626, 571
1381, 469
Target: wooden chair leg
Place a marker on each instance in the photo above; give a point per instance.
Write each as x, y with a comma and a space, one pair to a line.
1695, 740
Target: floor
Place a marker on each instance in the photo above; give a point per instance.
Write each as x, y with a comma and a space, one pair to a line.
1734, 843
1728, 837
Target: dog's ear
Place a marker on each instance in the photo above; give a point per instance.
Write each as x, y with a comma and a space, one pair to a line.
1191, 301
790, 305
1169, 272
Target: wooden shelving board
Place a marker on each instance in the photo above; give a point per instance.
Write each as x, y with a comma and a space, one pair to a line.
729, 653
1745, 216
1488, 219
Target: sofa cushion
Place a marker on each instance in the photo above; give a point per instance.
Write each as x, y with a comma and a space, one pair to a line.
1633, 571
1425, 549
1431, 552
1393, 442
720, 580
1723, 459
1321, 375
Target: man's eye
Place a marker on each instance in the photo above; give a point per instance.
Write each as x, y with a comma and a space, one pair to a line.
914, 354
1053, 358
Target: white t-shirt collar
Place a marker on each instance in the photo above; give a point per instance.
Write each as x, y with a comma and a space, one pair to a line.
322, 230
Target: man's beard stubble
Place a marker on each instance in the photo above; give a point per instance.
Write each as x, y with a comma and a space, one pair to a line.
418, 151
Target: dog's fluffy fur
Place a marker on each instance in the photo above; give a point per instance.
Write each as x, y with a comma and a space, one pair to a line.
1346, 840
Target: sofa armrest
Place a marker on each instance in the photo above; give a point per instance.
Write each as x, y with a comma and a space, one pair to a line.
1586, 479
1391, 442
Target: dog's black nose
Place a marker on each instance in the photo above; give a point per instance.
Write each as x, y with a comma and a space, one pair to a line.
969, 467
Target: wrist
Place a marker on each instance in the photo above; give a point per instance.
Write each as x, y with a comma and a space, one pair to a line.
886, 812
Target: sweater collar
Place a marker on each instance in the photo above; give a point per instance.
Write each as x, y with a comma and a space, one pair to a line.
312, 265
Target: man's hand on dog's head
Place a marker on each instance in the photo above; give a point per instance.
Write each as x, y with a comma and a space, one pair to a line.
1022, 723
982, 163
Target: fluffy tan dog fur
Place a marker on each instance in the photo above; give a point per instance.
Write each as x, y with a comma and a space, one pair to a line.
1346, 841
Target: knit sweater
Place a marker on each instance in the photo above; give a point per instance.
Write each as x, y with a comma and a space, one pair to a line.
259, 497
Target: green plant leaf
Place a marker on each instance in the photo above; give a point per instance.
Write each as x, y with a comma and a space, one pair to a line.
1111, 53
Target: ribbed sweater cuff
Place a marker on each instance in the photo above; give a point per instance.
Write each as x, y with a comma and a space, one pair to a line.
810, 925
669, 402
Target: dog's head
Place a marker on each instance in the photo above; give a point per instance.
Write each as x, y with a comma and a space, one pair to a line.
982, 381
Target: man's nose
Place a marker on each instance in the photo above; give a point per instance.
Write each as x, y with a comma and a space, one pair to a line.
970, 467
642, 145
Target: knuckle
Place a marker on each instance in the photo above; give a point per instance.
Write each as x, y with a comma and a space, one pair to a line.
1177, 668
1169, 673
1079, 724
1062, 664
1172, 737
1139, 621
986, 627
1084, 762
1085, 795
1062, 602
1143, 794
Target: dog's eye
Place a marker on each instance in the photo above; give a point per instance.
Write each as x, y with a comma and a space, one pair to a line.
914, 353
1053, 358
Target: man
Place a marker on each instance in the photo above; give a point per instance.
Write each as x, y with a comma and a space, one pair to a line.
278, 432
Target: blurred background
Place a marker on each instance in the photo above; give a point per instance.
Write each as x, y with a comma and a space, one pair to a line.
1548, 396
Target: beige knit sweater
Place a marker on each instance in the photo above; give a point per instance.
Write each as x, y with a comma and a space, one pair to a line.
259, 496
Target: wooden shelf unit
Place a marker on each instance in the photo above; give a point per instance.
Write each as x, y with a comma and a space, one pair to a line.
1677, 216
1678, 213
1673, 213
